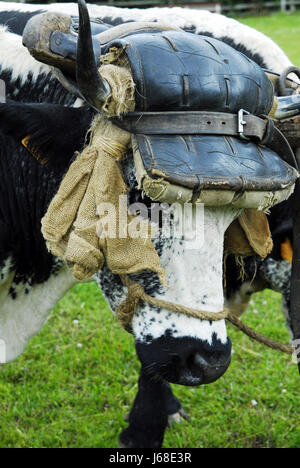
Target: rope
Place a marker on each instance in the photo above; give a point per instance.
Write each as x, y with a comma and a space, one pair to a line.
136, 293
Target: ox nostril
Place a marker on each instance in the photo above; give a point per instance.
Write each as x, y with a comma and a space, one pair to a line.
213, 362
191, 363
195, 363
197, 367
200, 361
212, 368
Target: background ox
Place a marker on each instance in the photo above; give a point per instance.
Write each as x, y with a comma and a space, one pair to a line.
180, 349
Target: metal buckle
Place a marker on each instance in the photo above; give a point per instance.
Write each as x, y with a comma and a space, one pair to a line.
241, 123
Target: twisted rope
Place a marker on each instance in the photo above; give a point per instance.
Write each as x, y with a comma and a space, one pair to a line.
136, 293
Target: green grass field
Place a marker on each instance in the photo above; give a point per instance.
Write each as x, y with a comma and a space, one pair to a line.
78, 377
283, 29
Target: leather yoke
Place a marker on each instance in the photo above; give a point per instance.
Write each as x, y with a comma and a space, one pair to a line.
195, 123
177, 70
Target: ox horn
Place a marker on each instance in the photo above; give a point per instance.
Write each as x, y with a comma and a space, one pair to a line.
92, 86
287, 106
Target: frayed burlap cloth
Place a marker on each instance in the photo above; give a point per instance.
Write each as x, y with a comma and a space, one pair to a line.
249, 234
72, 226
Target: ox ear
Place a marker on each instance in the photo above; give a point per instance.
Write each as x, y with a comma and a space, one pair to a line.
51, 131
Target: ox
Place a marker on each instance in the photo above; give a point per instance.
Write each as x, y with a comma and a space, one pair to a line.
173, 348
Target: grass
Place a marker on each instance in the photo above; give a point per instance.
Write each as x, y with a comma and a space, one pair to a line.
283, 29
78, 377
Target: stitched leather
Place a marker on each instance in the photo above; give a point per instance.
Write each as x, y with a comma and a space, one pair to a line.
262, 130
194, 123
176, 70
65, 45
213, 162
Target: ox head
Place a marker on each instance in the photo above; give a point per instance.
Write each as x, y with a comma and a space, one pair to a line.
234, 174
178, 348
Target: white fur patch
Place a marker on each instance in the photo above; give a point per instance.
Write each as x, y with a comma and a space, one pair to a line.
23, 317
16, 58
195, 279
2, 352
202, 20
5, 271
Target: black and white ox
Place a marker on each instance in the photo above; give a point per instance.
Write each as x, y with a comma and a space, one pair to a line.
174, 347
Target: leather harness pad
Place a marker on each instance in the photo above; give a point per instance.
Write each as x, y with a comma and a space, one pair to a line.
65, 45
213, 162
246, 126
178, 74
176, 71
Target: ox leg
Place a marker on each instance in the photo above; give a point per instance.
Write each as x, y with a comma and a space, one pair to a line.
175, 411
150, 413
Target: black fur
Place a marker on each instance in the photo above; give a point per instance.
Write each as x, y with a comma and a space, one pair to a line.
27, 187
16, 20
148, 418
45, 89
281, 226
55, 131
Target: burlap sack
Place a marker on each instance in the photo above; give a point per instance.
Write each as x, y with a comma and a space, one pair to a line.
249, 234
74, 224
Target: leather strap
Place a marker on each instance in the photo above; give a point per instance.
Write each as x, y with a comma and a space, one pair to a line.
276, 141
191, 123
242, 125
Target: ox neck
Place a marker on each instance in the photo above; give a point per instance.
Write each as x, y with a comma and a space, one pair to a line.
199, 263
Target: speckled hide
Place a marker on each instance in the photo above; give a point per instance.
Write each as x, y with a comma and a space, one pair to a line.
25, 308
194, 277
